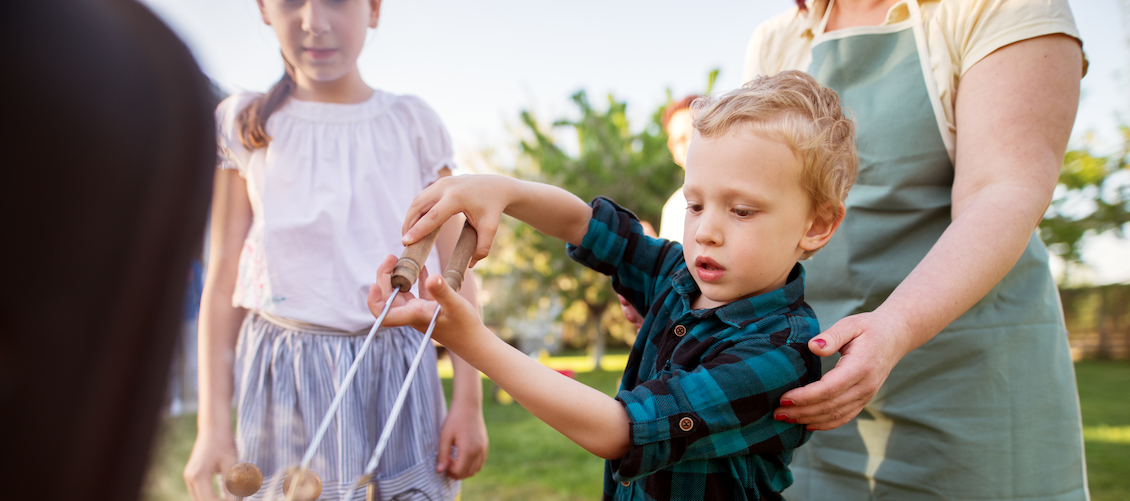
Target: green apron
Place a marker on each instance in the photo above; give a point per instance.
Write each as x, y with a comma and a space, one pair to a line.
987, 409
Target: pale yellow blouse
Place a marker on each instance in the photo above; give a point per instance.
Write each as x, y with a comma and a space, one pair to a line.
959, 33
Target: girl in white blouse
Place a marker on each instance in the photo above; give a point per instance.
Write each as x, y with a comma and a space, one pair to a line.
316, 177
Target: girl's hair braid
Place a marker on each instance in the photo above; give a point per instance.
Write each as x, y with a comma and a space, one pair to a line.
252, 121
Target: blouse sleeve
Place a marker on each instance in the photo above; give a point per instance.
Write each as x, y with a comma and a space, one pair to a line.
429, 138
778, 44
979, 27
230, 152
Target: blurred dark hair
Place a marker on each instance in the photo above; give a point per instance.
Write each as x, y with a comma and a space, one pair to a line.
109, 149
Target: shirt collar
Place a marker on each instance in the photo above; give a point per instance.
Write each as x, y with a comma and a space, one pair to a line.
814, 16
743, 311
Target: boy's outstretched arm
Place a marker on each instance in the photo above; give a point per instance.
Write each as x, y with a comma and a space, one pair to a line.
484, 198
593, 420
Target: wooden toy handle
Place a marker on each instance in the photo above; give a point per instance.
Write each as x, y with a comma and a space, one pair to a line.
457, 264
412, 260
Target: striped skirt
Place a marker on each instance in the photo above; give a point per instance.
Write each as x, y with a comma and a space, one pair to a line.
288, 372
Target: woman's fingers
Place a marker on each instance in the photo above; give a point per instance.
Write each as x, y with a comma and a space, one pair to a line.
835, 338
869, 352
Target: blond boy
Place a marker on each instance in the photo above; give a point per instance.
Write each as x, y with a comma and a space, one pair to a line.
726, 326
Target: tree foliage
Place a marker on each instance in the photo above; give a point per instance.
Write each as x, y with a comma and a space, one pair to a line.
532, 272
1093, 197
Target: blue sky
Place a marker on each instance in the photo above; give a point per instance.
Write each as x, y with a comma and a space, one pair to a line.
479, 63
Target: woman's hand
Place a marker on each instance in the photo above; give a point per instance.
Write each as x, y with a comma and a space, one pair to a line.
213, 453
463, 440
1014, 114
870, 344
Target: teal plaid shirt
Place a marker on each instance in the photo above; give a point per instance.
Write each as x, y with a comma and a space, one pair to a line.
700, 385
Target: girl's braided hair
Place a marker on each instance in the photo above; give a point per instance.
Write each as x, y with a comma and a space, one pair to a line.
252, 121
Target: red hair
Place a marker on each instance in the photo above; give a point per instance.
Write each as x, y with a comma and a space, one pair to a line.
682, 104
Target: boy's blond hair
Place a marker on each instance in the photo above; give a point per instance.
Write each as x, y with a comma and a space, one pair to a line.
793, 107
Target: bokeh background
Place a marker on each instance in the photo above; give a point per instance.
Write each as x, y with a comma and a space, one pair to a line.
524, 87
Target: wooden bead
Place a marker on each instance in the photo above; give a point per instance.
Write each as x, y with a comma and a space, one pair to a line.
309, 485
243, 479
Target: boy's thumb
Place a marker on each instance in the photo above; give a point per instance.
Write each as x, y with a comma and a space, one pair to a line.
439, 290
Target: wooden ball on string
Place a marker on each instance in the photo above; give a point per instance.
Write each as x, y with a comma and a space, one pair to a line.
243, 479
307, 485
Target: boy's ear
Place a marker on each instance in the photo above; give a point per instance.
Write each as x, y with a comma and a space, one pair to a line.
824, 222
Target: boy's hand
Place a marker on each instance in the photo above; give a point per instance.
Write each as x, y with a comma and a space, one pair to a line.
380, 291
481, 198
456, 324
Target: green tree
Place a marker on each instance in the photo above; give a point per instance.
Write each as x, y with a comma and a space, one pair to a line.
1093, 197
531, 272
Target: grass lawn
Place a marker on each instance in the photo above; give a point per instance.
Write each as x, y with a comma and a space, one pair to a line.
1104, 394
528, 460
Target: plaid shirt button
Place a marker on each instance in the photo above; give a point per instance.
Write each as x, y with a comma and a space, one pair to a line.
686, 424
680, 330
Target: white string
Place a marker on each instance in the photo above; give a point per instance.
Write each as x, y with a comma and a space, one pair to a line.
344, 385
386, 432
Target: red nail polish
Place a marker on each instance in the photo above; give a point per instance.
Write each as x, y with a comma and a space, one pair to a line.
811, 428
792, 421
787, 403
780, 417
821, 343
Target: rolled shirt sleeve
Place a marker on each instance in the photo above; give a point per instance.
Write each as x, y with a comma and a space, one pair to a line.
721, 408
616, 245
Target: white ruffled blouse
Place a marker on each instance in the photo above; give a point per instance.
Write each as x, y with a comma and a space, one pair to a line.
329, 195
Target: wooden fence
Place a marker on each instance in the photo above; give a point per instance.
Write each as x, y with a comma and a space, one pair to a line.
1098, 320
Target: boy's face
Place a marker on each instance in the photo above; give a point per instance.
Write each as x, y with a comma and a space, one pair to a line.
748, 216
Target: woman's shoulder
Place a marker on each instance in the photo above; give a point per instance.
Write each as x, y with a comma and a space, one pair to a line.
779, 42
972, 29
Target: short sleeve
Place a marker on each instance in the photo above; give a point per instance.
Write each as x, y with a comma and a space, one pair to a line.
230, 152
429, 137
976, 28
756, 57
780, 43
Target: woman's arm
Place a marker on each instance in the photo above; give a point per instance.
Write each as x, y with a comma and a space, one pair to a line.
464, 427
214, 451
1014, 113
